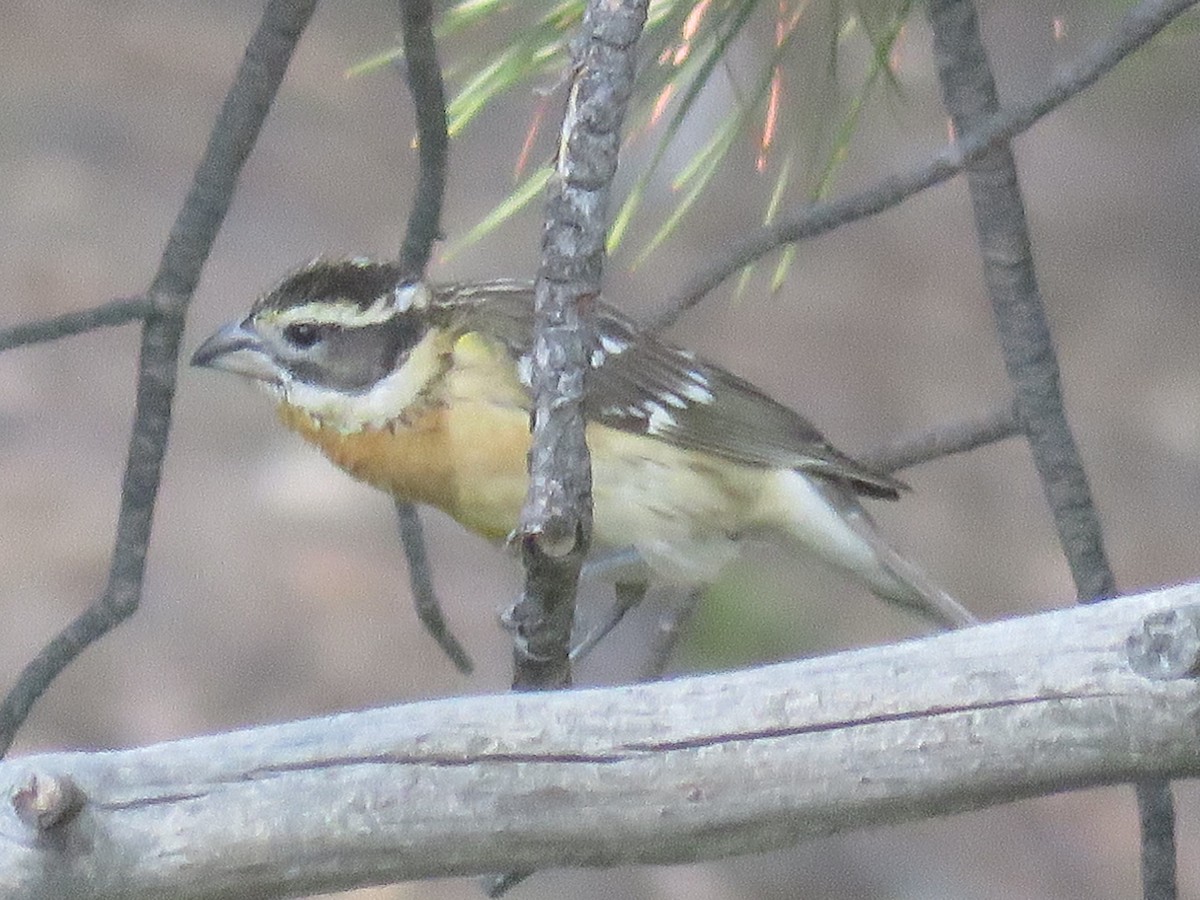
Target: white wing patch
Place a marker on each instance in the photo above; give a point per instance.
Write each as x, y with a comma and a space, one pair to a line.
697, 389
659, 418
414, 295
525, 369
613, 346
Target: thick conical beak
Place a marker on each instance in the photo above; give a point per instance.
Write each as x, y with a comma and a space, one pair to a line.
237, 348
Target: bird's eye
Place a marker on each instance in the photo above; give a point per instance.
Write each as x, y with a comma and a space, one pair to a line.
302, 334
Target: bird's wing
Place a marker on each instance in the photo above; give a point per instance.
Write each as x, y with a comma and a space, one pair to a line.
640, 384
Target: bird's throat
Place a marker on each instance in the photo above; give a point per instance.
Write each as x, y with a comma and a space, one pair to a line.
446, 458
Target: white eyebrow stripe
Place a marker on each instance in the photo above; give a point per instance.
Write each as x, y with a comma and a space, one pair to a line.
344, 313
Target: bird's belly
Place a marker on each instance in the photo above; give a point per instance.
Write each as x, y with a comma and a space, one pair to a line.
683, 511
489, 448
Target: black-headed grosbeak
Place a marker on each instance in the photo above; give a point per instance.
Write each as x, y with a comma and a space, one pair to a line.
423, 391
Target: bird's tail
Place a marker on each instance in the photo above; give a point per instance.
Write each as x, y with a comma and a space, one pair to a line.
902, 582
826, 518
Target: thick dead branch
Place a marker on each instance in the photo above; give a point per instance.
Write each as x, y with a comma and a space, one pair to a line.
674, 771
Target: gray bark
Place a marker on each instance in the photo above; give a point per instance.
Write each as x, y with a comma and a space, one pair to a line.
693, 768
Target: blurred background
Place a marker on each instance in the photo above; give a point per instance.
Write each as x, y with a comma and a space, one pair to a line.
276, 585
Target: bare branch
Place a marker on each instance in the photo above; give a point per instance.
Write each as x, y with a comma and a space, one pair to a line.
429, 99
674, 771
114, 312
1006, 250
671, 629
1135, 28
556, 523
420, 577
946, 440
1156, 823
969, 93
424, 77
191, 237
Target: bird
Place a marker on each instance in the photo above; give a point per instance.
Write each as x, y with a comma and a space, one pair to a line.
423, 390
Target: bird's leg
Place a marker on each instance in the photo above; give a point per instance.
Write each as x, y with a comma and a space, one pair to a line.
672, 626
629, 594
630, 579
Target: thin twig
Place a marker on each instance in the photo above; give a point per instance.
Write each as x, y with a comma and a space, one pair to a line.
1135, 28
424, 77
420, 577
1156, 820
114, 312
555, 526
943, 440
970, 96
1022, 328
429, 99
188, 244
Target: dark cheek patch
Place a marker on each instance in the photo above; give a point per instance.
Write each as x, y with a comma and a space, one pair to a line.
402, 333
354, 359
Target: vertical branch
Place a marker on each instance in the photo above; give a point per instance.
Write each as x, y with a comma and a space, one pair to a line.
195, 229
969, 94
424, 77
429, 99
555, 526
420, 580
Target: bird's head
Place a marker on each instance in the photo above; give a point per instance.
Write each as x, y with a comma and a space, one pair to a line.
335, 340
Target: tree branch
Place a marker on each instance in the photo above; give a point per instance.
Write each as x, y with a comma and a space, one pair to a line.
556, 525
944, 440
429, 100
188, 244
674, 771
424, 78
114, 312
420, 577
1135, 28
969, 94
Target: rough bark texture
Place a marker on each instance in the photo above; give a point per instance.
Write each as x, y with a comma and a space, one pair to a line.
674, 771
